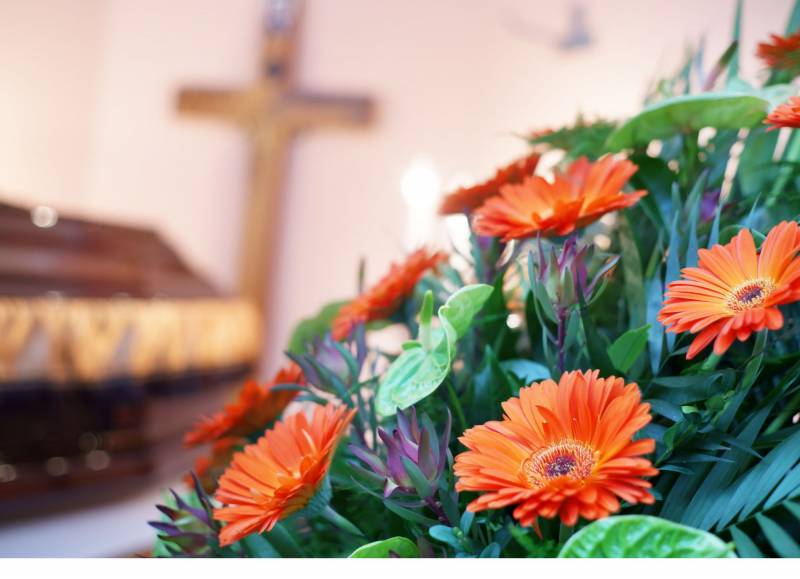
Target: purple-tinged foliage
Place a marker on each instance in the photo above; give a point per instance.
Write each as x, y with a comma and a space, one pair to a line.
415, 456
187, 530
564, 272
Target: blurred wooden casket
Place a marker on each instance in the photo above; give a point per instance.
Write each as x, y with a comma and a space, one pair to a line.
110, 348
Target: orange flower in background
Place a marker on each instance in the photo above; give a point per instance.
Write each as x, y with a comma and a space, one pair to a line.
735, 290
563, 450
781, 52
381, 300
209, 468
466, 199
785, 115
256, 407
583, 194
280, 473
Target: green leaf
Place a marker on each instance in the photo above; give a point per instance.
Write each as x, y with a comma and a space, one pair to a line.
745, 545
526, 370
445, 535
780, 540
655, 337
258, 546
632, 273
641, 536
675, 115
313, 327
628, 347
399, 546
594, 341
421, 484
408, 515
462, 307
419, 371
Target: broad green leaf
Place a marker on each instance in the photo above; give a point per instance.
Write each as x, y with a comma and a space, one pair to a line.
675, 115
423, 366
641, 536
410, 378
628, 347
399, 546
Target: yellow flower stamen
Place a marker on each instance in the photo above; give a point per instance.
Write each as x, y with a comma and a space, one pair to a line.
750, 294
567, 457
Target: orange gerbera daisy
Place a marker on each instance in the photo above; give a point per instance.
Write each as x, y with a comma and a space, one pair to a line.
782, 52
582, 195
734, 290
256, 407
561, 449
466, 199
280, 473
785, 115
381, 300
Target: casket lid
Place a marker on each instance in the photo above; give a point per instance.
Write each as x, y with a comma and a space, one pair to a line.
81, 258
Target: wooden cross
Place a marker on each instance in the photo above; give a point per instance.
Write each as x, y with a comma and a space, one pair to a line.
272, 112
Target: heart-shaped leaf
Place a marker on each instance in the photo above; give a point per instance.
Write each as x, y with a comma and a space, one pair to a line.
396, 546
641, 536
666, 118
425, 363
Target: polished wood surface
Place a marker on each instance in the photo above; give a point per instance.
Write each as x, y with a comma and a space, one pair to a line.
81, 258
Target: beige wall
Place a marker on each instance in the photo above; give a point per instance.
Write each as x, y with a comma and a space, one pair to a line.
86, 118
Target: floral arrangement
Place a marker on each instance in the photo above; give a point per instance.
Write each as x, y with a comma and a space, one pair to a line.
613, 370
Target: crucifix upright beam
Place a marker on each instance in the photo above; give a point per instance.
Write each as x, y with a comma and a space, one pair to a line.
272, 112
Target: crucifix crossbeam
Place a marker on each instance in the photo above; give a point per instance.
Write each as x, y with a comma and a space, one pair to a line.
272, 112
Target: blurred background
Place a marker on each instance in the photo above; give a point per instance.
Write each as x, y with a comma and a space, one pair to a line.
307, 137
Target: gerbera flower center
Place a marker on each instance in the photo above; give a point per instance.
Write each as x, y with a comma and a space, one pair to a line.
750, 294
569, 458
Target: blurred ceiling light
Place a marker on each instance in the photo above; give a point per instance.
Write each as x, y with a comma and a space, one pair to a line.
44, 216
602, 241
514, 321
609, 219
421, 186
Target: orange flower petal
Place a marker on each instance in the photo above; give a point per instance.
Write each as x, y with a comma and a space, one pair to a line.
581, 196
280, 473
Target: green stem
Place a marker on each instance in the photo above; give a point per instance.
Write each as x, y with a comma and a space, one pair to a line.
791, 408
711, 363
339, 521
456, 403
790, 156
564, 532
425, 317
284, 542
